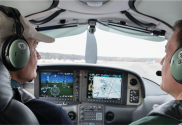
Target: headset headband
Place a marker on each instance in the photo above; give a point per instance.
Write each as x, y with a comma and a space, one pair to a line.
15, 14
8, 12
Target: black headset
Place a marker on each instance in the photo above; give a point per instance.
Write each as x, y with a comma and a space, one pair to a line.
14, 50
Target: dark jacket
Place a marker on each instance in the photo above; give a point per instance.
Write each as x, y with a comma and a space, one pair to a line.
45, 112
169, 113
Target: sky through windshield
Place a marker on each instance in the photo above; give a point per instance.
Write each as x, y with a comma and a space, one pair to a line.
108, 44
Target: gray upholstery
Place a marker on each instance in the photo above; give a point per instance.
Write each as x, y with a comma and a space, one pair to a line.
11, 110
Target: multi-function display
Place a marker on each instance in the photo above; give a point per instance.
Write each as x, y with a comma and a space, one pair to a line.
56, 84
104, 86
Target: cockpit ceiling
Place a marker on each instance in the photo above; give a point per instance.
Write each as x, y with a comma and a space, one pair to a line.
166, 10
77, 12
28, 7
169, 9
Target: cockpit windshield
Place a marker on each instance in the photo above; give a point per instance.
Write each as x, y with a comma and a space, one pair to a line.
142, 56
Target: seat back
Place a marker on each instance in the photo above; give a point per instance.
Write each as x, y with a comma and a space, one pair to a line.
11, 110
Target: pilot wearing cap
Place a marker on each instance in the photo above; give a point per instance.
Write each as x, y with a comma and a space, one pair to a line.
46, 112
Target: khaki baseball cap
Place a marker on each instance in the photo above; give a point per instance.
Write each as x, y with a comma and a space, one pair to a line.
7, 29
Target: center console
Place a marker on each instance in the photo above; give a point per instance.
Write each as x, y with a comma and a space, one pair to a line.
91, 115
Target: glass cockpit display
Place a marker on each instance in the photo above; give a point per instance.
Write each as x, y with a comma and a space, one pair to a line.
104, 86
56, 84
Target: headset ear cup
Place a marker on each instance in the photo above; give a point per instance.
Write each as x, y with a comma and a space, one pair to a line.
176, 65
15, 53
3, 49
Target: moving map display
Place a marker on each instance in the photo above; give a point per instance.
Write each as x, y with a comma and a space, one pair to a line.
104, 86
56, 84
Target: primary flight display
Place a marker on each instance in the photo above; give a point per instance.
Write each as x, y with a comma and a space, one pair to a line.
56, 84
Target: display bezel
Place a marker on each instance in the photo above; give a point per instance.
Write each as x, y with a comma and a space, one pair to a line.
107, 73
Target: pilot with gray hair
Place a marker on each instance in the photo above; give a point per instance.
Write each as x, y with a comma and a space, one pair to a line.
18, 42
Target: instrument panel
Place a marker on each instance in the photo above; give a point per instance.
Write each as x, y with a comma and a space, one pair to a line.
91, 94
89, 84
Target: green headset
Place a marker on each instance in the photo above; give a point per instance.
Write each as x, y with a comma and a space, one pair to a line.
14, 50
176, 65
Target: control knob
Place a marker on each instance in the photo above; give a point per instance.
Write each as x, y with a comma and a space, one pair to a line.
99, 107
94, 107
82, 112
76, 81
82, 117
90, 108
82, 108
76, 99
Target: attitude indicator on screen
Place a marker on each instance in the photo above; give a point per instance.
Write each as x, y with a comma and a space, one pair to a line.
56, 84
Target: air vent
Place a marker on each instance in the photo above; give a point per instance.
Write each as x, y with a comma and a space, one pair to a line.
133, 82
94, 3
109, 116
72, 115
